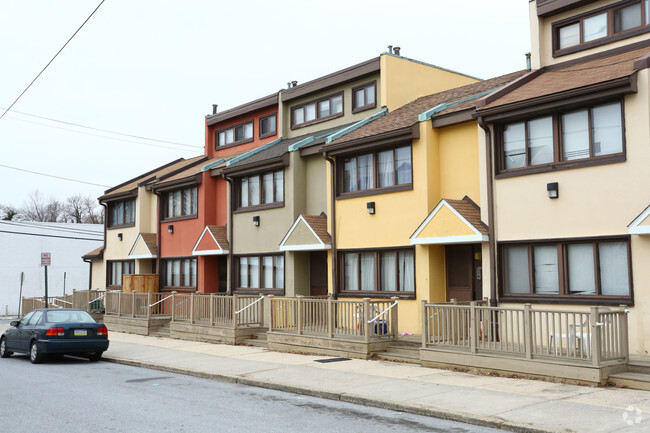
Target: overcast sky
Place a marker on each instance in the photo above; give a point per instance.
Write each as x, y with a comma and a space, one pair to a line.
153, 69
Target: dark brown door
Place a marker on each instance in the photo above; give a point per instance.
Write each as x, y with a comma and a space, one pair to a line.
462, 272
318, 273
222, 263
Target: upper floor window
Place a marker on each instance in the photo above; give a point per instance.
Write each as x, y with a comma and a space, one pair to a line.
180, 273
379, 271
267, 125
181, 202
381, 169
121, 213
364, 97
575, 135
261, 189
235, 135
318, 110
613, 22
576, 268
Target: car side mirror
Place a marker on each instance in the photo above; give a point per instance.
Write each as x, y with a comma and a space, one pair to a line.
14, 323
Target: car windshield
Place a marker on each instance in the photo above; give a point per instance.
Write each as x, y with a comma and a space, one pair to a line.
64, 316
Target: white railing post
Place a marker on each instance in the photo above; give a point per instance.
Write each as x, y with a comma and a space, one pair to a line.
366, 325
300, 318
394, 325
260, 313
234, 311
528, 331
625, 346
192, 308
330, 316
173, 307
119, 304
211, 309
271, 313
149, 307
596, 336
132, 304
425, 323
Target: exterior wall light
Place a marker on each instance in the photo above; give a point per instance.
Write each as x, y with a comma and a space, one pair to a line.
553, 190
170, 228
371, 207
119, 236
256, 221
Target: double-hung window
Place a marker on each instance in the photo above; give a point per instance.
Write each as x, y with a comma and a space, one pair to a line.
181, 203
379, 271
569, 269
121, 213
234, 135
364, 97
261, 272
180, 273
117, 268
574, 135
262, 189
380, 169
315, 111
267, 125
610, 23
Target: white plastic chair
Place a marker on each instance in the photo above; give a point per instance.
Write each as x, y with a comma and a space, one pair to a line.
579, 335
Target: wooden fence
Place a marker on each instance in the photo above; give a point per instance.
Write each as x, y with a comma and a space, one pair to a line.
91, 301
195, 308
579, 336
338, 319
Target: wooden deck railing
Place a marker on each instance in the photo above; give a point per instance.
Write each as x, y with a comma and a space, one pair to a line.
89, 300
588, 337
196, 308
344, 319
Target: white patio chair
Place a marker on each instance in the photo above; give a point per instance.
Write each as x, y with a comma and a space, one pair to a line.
578, 336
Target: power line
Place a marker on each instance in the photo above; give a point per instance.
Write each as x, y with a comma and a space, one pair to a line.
102, 130
50, 236
48, 63
56, 177
46, 226
98, 135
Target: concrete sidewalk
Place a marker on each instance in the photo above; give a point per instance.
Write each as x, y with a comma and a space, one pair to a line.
512, 404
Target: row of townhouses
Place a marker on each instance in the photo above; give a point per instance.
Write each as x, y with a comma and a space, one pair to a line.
397, 178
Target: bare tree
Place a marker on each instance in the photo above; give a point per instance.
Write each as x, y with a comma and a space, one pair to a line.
80, 209
9, 212
94, 213
38, 209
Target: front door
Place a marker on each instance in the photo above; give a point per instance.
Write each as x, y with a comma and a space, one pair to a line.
462, 264
318, 273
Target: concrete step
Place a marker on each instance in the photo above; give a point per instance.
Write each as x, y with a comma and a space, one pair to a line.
256, 340
639, 364
404, 350
631, 380
402, 356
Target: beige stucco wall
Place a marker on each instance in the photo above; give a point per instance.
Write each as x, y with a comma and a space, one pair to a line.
593, 201
98, 277
404, 80
541, 42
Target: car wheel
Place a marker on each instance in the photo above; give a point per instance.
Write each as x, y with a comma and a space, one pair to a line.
94, 357
4, 353
34, 355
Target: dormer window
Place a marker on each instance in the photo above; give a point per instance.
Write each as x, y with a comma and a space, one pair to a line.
267, 125
364, 97
121, 213
316, 111
235, 135
607, 24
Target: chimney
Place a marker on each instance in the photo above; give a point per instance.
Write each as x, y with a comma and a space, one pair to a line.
294, 83
214, 108
390, 49
289, 85
528, 66
396, 50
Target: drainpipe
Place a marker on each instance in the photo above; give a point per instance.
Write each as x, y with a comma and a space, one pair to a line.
231, 261
159, 205
333, 219
90, 272
490, 204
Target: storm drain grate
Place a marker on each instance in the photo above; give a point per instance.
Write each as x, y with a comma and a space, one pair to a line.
324, 361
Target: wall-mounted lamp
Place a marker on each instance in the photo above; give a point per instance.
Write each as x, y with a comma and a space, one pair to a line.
553, 190
256, 221
119, 236
170, 228
371, 207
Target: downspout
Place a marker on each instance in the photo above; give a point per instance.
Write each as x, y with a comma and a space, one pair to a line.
90, 272
159, 206
231, 261
490, 204
333, 219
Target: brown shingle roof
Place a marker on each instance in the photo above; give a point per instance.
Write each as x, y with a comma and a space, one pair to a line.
150, 240
318, 223
220, 234
407, 115
470, 211
556, 80
97, 253
160, 171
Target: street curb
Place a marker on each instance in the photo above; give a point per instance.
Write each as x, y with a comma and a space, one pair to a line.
482, 421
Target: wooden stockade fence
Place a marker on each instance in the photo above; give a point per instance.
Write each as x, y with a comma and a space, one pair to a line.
90, 300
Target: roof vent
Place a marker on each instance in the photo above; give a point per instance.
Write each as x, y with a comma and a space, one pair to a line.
294, 83
396, 50
214, 108
390, 49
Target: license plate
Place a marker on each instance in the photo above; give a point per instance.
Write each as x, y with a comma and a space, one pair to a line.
80, 332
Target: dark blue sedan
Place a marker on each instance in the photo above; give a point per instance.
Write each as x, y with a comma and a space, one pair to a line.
55, 331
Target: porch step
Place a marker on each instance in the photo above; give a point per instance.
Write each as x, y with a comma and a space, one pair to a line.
631, 380
639, 364
161, 331
402, 351
256, 340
